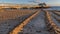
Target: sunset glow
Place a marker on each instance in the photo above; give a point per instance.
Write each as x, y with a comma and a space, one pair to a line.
49, 2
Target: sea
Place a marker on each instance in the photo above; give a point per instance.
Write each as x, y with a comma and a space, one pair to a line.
54, 8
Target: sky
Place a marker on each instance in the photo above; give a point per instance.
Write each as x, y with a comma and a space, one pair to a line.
48, 2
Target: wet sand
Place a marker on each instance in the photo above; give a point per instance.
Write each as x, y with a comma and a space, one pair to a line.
36, 26
11, 18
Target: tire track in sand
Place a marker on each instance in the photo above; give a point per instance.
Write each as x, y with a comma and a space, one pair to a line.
54, 26
20, 27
